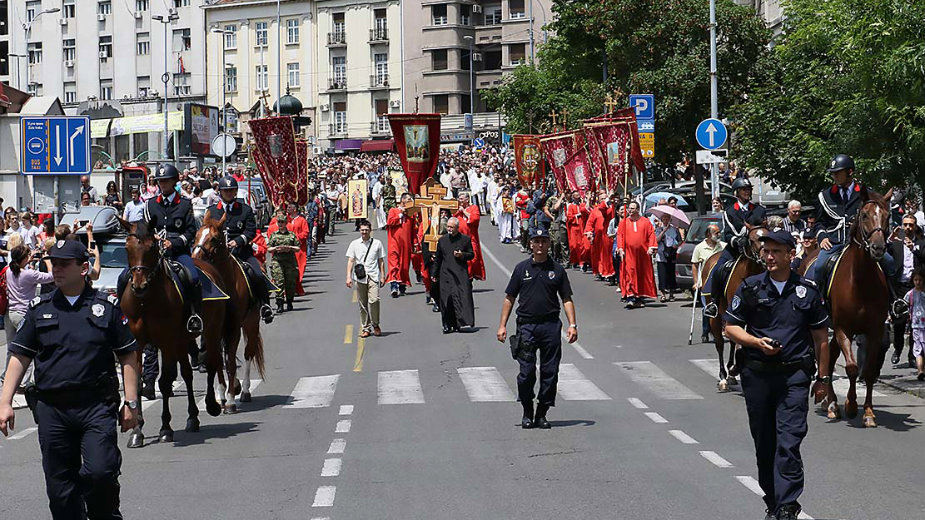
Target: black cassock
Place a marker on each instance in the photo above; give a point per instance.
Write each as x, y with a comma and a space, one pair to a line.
456, 305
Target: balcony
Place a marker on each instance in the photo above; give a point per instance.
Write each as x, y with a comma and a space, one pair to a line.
337, 83
337, 39
380, 127
337, 129
378, 35
378, 81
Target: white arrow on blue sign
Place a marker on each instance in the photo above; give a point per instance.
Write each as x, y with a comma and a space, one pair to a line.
55, 145
711, 134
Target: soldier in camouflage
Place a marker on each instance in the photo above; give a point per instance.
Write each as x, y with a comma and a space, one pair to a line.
284, 269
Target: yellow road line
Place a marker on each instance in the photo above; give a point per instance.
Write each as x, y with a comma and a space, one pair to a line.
361, 349
354, 296
348, 334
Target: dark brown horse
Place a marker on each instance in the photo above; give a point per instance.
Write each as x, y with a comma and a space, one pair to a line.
154, 308
749, 264
211, 246
859, 302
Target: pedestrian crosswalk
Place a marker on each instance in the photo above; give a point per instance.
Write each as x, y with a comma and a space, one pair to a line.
840, 382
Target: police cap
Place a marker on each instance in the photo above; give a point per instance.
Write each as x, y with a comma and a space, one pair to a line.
539, 233
841, 162
65, 249
781, 237
227, 183
167, 171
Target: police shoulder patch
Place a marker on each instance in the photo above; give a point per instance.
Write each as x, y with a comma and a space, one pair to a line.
736, 301
98, 310
35, 301
801, 291
112, 299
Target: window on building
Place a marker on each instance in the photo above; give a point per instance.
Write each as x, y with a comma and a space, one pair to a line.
182, 40
340, 117
180, 3
104, 7
105, 47
438, 14
105, 90
70, 49
465, 103
263, 78
142, 44
70, 92
464, 59
492, 13
231, 79
141, 5
382, 116
518, 53
382, 68
465, 14
381, 19
492, 60
35, 53
292, 31
339, 25
260, 28
231, 37
69, 9
438, 58
181, 85
340, 68
32, 9
37, 89
292, 75
144, 86
442, 104
517, 9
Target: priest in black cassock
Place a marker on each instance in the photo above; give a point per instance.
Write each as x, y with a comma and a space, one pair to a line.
454, 250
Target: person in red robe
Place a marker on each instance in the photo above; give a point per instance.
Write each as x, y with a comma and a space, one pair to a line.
299, 227
469, 216
259, 244
401, 235
601, 244
635, 246
576, 214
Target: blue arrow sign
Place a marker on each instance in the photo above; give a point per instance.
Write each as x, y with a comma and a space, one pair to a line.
55, 145
711, 134
644, 105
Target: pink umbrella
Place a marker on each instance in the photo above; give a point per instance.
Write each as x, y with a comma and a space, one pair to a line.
678, 218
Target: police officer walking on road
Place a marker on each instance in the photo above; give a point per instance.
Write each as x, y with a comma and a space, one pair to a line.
72, 333
778, 318
540, 283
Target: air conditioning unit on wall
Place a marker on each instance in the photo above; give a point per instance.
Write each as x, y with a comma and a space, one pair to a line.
325, 108
476, 9
395, 104
476, 56
101, 17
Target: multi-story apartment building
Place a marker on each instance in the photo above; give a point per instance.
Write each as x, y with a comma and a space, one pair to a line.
5, 58
769, 10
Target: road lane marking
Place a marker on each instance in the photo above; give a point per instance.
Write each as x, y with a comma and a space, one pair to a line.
485, 384
343, 426
683, 437
637, 403
656, 380
345, 409
331, 467
324, 497
337, 446
22, 434
751, 484
361, 351
157, 393
714, 458
656, 418
313, 392
839, 382
574, 386
401, 387
353, 299
578, 348
348, 334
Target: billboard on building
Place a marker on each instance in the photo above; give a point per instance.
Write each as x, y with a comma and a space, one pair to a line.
201, 124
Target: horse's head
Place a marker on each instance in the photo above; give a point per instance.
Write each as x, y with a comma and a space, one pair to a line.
870, 226
144, 255
755, 232
210, 242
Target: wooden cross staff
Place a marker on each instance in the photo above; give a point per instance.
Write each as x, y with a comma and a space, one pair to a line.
553, 115
609, 104
564, 115
429, 203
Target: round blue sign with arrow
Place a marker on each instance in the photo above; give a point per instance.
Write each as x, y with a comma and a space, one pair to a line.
711, 134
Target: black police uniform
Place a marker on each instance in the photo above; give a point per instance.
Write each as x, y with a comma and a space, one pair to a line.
539, 287
72, 345
776, 388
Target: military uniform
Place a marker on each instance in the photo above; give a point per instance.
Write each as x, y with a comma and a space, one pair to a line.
388, 197
72, 345
283, 266
776, 388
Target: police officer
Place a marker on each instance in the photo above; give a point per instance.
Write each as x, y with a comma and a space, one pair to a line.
72, 334
241, 228
171, 214
735, 233
778, 318
540, 283
838, 206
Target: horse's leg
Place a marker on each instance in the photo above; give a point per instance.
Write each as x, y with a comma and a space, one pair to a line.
213, 366
251, 335
231, 367
716, 327
186, 372
734, 369
137, 439
875, 354
833, 412
851, 369
168, 375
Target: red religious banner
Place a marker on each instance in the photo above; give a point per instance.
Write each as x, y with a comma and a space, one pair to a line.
528, 159
569, 161
417, 137
615, 142
595, 159
277, 158
556, 150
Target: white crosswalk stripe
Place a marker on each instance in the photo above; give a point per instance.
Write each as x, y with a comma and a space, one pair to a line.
839, 382
485, 384
574, 386
400, 387
657, 380
313, 392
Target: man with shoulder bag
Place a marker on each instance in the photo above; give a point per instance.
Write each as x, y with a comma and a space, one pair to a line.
366, 268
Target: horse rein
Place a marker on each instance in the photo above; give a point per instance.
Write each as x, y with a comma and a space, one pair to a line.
864, 243
150, 271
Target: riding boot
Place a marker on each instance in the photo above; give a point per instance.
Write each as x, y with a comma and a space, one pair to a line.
265, 311
527, 421
194, 323
539, 421
716, 289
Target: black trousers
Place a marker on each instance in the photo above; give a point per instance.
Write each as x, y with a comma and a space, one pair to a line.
899, 326
547, 339
667, 278
150, 367
81, 459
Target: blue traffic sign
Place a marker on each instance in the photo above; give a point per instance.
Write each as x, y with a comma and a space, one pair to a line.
55, 145
478, 142
644, 104
711, 134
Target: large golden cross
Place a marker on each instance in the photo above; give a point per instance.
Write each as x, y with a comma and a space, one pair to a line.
553, 115
609, 103
429, 203
564, 115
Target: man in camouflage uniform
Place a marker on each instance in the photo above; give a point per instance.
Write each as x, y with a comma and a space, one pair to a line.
283, 267
388, 194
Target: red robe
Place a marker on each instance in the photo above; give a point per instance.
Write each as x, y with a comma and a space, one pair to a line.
417, 255
417, 259
298, 227
602, 245
401, 235
259, 244
469, 225
576, 215
636, 275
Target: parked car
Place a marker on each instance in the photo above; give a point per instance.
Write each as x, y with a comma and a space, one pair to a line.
110, 239
695, 234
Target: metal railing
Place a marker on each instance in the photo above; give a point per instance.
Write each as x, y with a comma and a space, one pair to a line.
379, 34
337, 83
378, 80
337, 38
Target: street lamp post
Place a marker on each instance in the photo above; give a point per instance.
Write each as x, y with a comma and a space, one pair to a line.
27, 28
279, 61
471, 76
714, 93
165, 78
224, 76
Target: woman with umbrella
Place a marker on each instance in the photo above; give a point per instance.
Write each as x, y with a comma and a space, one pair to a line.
668, 236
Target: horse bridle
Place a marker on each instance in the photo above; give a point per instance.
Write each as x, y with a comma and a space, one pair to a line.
150, 271
209, 256
864, 243
755, 256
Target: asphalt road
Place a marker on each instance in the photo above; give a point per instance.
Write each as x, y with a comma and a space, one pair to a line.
417, 424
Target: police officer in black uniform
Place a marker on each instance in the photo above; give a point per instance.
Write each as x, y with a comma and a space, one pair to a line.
241, 229
778, 318
540, 283
735, 234
72, 333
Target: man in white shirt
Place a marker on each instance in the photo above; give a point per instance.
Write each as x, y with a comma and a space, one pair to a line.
135, 209
369, 253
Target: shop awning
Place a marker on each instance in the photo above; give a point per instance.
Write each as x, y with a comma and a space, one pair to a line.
146, 123
378, 145
347, 144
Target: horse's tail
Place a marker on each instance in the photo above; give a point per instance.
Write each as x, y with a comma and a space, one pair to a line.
253, 351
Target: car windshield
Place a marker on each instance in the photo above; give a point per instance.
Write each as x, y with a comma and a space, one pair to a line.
112, 254
698, 229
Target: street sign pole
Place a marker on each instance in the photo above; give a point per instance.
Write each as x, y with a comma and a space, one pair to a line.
714, 92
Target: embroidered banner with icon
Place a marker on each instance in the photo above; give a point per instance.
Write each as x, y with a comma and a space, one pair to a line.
568, 159
278, 159
528, 160
417, 137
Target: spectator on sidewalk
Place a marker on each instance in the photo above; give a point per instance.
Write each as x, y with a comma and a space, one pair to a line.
22, 282
916, 300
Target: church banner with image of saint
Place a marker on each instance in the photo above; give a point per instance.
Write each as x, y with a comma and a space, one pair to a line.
528, 160
417, 137
356, 198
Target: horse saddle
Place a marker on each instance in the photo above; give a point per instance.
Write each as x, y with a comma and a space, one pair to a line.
826, 273
183, 280
724, 272
255, 279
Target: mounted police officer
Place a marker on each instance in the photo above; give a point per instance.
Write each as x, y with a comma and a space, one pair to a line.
838, 207
240, 230
735, 233
778, 318
71, 334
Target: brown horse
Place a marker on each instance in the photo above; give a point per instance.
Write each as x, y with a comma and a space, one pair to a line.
154, 308
749, 264
211, 245
859, 302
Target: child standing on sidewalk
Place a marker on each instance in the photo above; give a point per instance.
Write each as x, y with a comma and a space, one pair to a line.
916, 300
